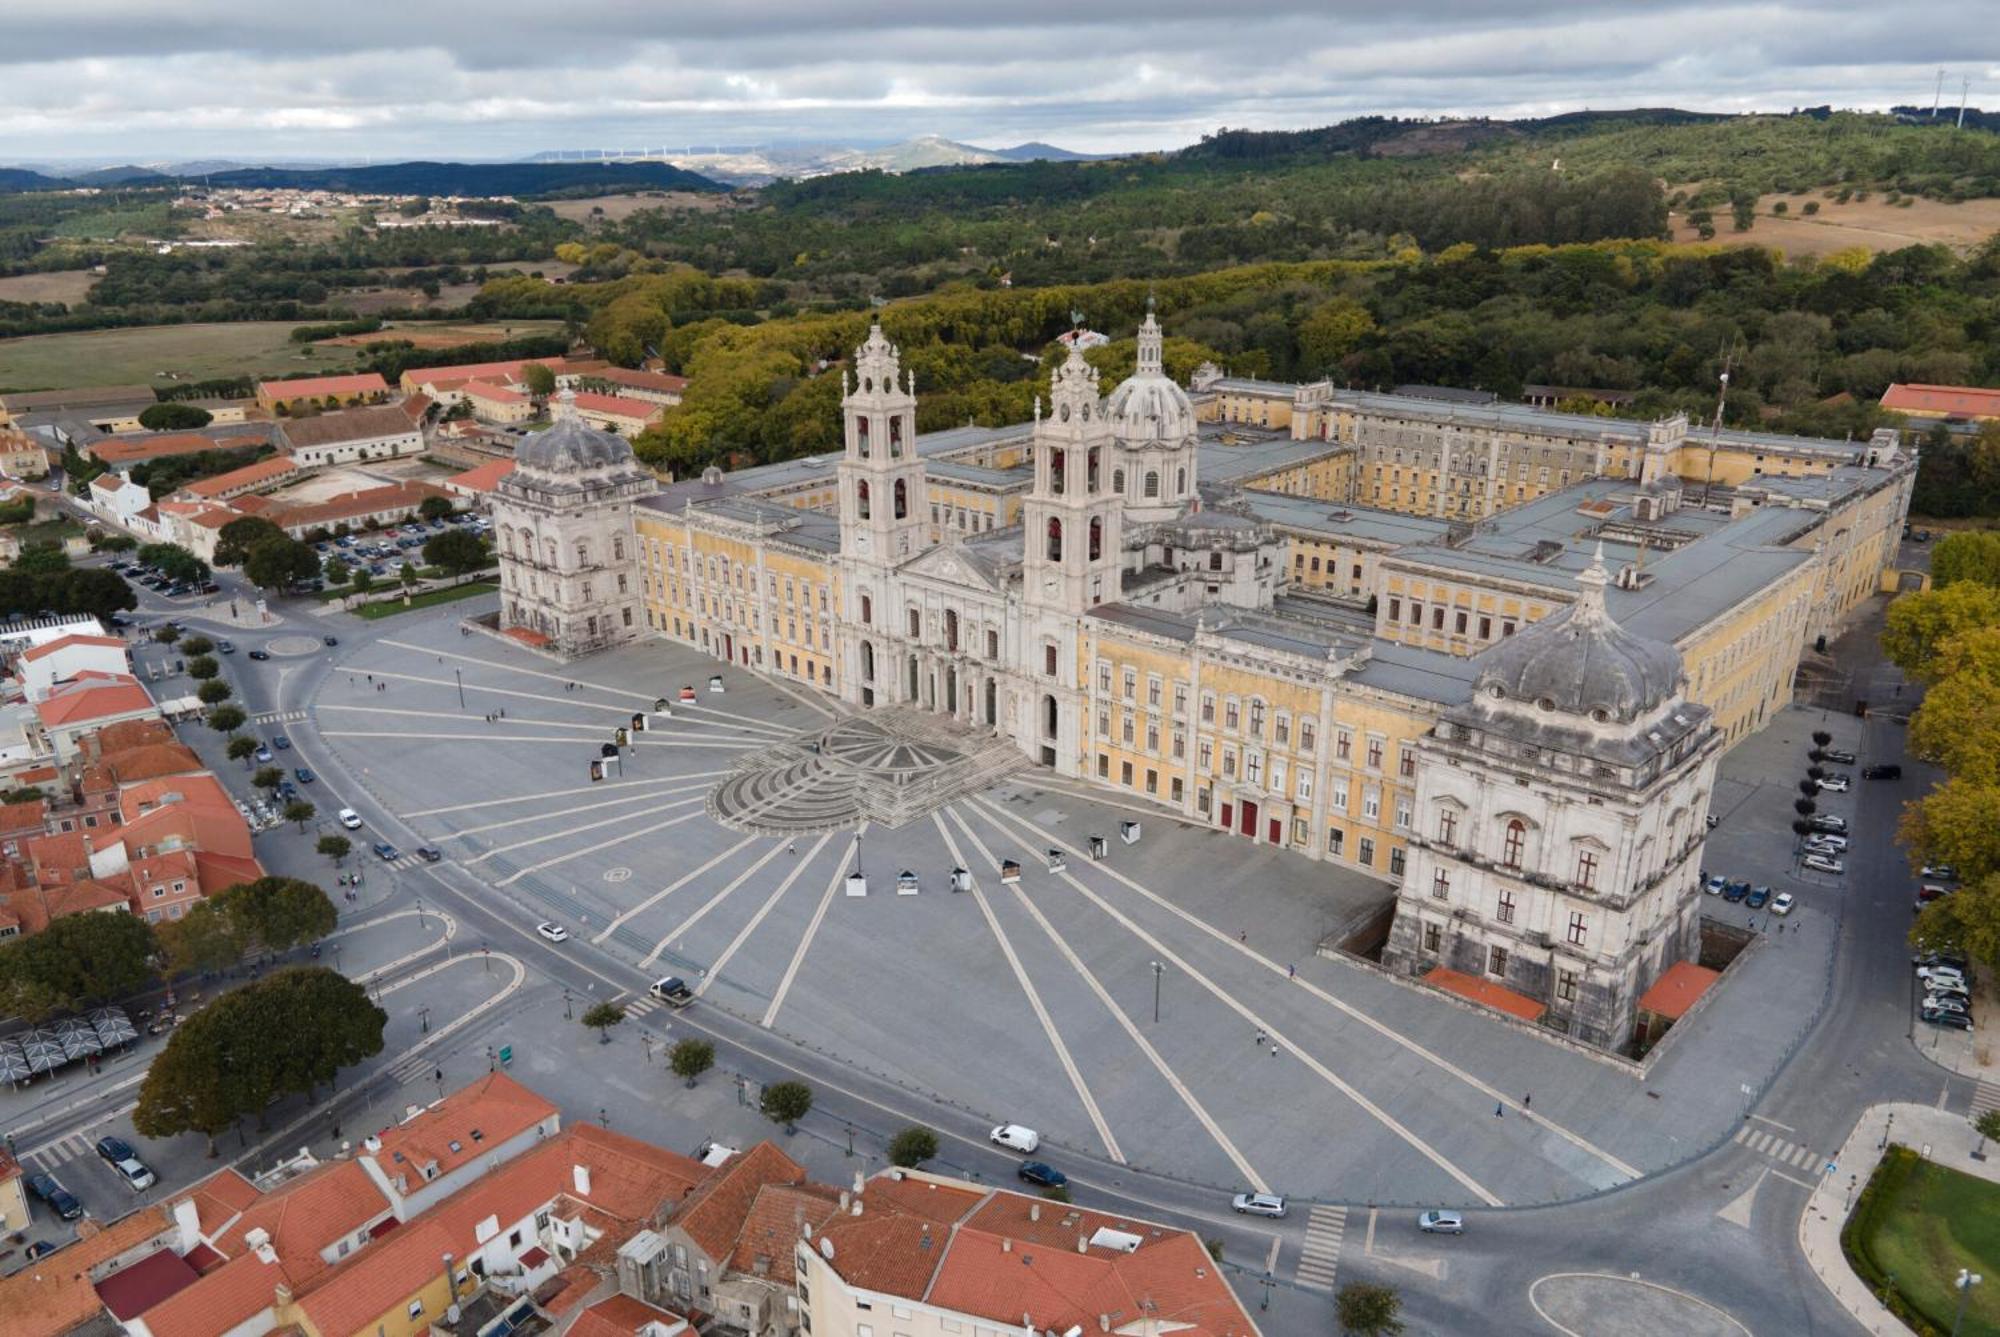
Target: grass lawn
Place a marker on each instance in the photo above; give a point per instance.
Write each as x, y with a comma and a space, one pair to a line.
1936, 1222
139, 355
429, 598
54, 529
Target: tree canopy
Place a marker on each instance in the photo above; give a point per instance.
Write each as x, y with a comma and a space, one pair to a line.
77, 961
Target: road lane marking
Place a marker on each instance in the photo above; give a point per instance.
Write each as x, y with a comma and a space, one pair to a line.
513, 668
715, 968
579, 830
681, 928
670, 889
593, 849
1063, 1056
1774, 1123
812, 930
1138, 1039
557, 793
733, 744
1327, 1074
1477, 1083
552, 813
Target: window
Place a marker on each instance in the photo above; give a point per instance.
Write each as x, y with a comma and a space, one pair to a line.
1579, 929
1340, 796
1307, 733
1208, 708
1504, 911
1180, 698
1104, 724
1305, 783
1402, 814
1396, 861
1367, 853
1441, 885
1406, 762
1485, 628
1447, 827
1180, 745
1395, 605
1125, 774
1516, 840
1153, 693
1432, 935
1055, 539
1374, 754
1104, 677
1496, 961
1566, 985
1256, 719
416, 1308
1131, 684
1232, 715
1281, 730
1049, 660
1586, 869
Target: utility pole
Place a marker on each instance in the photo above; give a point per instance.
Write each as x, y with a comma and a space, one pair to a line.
1158, 970
1937, 94
1715, 430
1964, 87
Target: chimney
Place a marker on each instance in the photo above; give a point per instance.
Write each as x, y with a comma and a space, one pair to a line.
1006, 1245
1034, 1211
281, 1295
580, 1175
1104, 1323
859, 1182
857, 1205
845, 1199
1083, 1244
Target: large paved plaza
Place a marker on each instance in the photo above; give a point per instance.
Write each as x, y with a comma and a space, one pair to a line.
719, 847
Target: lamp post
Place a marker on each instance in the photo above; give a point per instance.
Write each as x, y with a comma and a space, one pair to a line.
456, 673
424, 1016
420, 911
1158, 970
568, 1014
1966, 1281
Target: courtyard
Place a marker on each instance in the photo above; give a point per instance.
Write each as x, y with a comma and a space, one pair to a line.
1163, 1006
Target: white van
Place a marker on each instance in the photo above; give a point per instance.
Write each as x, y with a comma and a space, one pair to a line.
350, 819
1016, 1138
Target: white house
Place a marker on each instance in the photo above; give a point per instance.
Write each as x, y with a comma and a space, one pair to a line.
60, 660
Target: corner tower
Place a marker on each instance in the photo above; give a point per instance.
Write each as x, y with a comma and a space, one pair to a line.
882, 499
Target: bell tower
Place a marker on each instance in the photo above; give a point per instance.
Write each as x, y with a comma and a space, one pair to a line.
1073, 518
882, 499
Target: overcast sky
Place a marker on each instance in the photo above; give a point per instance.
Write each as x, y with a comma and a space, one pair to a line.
146, 80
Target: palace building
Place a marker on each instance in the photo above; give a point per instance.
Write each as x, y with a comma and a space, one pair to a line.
1280, 611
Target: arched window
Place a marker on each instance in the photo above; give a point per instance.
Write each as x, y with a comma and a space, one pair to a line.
1180, 482
902, 499
1055, 539
1096, 538
508, 535
1058, 465
896, 436
1118, 481
867, 604
861, 498
861, 436
1152, 488
1091, 471
1517, 839
549, 548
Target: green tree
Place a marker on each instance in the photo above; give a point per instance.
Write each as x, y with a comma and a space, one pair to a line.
172, 417
1331, 332
202, 667
214, 692
300, 811
912, 1146
690, 1058
268, 777
786, 1103
541, 381
190, 1086
114, 542
335, 847
435, 508
1369, 1310
81, 959
234, 540
202, 939
1953, 824
167, 635
364, 580
1968, 920
456, 552
197, 645
1968, 555
1918, 624
276, 914
337, 572
601, 1017
174, 562
241, 748
277, 563
407, 574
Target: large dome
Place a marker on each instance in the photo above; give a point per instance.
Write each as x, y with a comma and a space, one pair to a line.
1580, 662
1147, 407
571, 447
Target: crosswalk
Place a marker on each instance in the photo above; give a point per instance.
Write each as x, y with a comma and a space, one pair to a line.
406, 861
639, 1004
411, 1067
60, 1152
278, 717
1985, 1097
1778, 1149
1319, 1259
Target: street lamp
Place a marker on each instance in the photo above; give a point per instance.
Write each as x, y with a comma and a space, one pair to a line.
424, 1015
456, 673
1886, 1126
568, 1015
1158, 970
420, 911
1966, 1281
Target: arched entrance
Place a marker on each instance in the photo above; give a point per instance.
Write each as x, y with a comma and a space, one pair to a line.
1051, 723
913, 692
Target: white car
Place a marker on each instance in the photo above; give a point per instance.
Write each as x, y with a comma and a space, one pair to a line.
1824, 863
1714, 884
1441, 1223
1943, 872
1782, 903
1015, 1137
1259, 1204
350, 819
553, 932
1836, 783
1827, 840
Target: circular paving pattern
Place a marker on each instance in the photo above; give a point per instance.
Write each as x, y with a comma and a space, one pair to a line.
1597, 1304
292, 646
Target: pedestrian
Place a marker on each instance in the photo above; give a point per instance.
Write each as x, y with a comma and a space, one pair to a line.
1274, 1051
1527, 1100
1243, 935
1260, 1037
1499, 1110
371, 677
791, 847
1291, 972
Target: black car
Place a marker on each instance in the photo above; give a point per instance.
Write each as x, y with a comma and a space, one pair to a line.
305, 775
1757, 897
1042, 1174
60, 1199
116, 1149
40, 1249
1735, 891
385, 851
1888, 772
1840, 756
259, 654
429, 854
329, 640
1956, 1021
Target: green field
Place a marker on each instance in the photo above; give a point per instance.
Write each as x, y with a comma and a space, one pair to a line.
428, 599
138, 356
1932, 1222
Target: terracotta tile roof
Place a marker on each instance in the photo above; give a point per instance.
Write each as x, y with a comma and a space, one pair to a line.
363, 424
218, 1301
250, 475
34, 908
349, 505
59, 856
190, 826
657, 381
491, 393
927, 1198
201, 789
620, 1316
131, 1291
1172, 1281
765, 1246
219, 1198
115, 451
1951, 401
618, 406
888, 1251
713, 1215
481, 477
21, 819
1485, 993
89, 698
477, 1117
64, 642
1674, 992
484, 371
54, 1295
130, 733
147, 765
318, 387
221, 871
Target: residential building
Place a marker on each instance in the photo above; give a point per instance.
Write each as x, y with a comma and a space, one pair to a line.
118, 499
261, 476
1967, 407
497, 403
654, 386
89, 701
384, 505
625, 415
41, 667
22, 456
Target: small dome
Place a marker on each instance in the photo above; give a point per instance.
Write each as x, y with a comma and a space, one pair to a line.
572, 447
1580, 662
1147, 407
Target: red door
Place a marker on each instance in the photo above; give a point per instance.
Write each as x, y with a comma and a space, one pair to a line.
1277, 828
1227, 812
1249, 827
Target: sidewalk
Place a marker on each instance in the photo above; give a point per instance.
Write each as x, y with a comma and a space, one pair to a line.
1942, 1137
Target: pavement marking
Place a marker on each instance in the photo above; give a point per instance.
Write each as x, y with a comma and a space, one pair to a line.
1388, 1032
1133, 1033
1781, 1150
278, 717
1319, 1258
669, 890
667, 938
432, 714
1719, 1312
740, 721
587, 826
512, 668
521, 738
801, 697
1076, 1081
509, 880
60, 1152
1271, 1257
1738, 1211
541, 698
557, 793
715, 967
553, 813
1326, 1074
812, 929
1784, 1127
1985, 1096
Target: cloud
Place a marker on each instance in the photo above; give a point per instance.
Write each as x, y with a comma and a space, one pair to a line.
134, 79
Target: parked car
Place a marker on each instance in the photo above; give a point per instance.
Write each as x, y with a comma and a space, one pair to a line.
1948, 1002
263, 752
1887, 772
1956, 1021
1840, 756
259, 655
1953, 973
672, 990
1437, 1222
305, 775
1942, 872
1714, 884
553, 932
1824, 863
60, 1200
39, 1249
1946, 989
386, 852
350, 819
1833, 784
429, 853
1259, 1204
1941, 956
1735, 891
329, 640
127, 1163
1826, 840
1929, 892
1758, 897
1827, 821
1042, 1174
281, 742
1015, 1137
1782, 903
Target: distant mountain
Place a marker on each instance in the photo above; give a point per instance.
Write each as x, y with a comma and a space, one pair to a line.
128, 175
913, 155
1036, 151
14, 180
525, 180
760, 165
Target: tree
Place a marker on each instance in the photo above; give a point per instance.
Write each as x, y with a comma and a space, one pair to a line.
1987, 1125
456, 551
1918, 624
1331, 332
234, 540
407, 574
1968, 920
1369, 1310
1953, 824
167, 634
364, 580
281, 562
203, 939
214, 692
337, 572
1968, 555
197, 645
241, 748
601, 1017
202, 667
1958, 725
114, 542
1821, 738
276, 914
226, 719
786, 1103
268, 777
175, 562
690, 1058
80, 959
434, 508
300, 811
172, 417
541, 381
912, 1146
335, 847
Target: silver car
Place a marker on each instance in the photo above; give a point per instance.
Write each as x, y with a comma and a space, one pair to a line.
1437, 1222
1259, 1204
1824, 863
